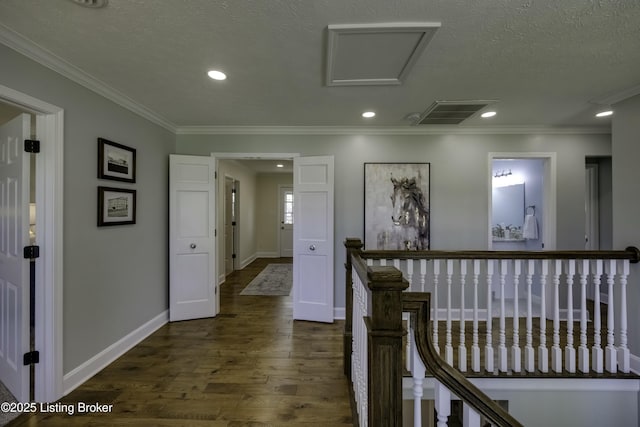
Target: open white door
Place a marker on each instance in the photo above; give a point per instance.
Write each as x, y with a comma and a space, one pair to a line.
192, 264
313, 239
14, 268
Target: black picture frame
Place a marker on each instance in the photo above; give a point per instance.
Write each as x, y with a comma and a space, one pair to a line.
397, 206
116, 162
116, 206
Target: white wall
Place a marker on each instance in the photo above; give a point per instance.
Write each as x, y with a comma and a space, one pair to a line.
459, 178
115, 278
626, 211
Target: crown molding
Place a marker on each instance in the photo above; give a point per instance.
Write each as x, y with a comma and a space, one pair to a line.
31, 50
410, 130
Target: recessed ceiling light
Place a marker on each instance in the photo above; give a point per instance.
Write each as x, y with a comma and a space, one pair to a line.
604, 113
488, 114
279, 165
217, 75
368, 114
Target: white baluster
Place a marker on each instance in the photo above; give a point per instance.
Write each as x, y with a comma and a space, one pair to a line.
436, 275
449, 346
470, 418
488, 348
423, 273
443, 404
597, 355
369, 262
515, 348
529, 360
475, 347
383, 262
405, 316
543, 351
583, 351
623, 351
610, 359
556, 351
417, 372
569, 350
502, 348
462, 348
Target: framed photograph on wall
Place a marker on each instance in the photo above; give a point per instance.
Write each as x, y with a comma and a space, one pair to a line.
116, 161
116, 206
396, 206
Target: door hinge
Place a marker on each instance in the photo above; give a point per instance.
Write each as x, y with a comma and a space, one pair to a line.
233, 223
215, 175
233, 256
31, 146
32, 252
31, 358
215, 233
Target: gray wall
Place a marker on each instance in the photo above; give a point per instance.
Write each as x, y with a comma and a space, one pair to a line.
626, 203
459, 178
115, 278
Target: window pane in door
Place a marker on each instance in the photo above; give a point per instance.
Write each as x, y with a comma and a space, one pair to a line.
288, 208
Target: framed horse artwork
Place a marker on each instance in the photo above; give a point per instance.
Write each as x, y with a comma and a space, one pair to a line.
397, 206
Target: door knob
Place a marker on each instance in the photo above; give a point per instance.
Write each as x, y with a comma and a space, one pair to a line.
312, 247
192, 246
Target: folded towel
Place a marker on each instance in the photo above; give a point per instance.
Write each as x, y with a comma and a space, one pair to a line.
530, 227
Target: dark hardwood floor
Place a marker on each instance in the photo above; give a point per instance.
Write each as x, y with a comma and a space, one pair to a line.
252, 365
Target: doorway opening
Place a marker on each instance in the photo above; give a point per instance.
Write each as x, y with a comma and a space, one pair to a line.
522, 206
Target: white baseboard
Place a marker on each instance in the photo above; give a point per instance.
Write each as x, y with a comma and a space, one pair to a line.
339, 313
247, 261
101, 360
267, 255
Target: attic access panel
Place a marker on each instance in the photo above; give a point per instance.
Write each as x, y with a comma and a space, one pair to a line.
375, 54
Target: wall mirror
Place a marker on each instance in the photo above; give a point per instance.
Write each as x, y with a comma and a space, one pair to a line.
507, 212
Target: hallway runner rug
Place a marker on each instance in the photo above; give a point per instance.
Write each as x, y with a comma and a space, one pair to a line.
275, 279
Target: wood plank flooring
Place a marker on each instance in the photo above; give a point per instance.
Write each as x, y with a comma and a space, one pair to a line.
252, 365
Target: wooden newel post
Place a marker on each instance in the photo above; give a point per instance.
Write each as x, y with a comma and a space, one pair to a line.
352, 245
385, 347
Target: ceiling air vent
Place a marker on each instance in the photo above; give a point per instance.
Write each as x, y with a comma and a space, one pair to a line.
451, 112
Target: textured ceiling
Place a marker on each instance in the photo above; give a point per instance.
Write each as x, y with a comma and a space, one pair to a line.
546, 62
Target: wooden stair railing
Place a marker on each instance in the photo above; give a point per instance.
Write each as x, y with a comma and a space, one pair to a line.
417, 304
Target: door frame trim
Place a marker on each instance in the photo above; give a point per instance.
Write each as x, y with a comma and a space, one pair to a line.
49, 217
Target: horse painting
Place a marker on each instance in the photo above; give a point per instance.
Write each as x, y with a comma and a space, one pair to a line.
411, 213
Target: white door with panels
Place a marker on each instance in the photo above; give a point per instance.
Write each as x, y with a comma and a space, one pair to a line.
313, 238
192, 263
14, 268
286, 221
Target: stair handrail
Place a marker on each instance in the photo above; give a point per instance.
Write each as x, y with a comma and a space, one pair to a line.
417, 304
630, 253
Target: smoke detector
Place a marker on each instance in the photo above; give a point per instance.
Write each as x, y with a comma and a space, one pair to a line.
91, 3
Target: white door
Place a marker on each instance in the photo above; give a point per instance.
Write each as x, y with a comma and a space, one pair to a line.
14, 269
192, 264
286, 221
313, 239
